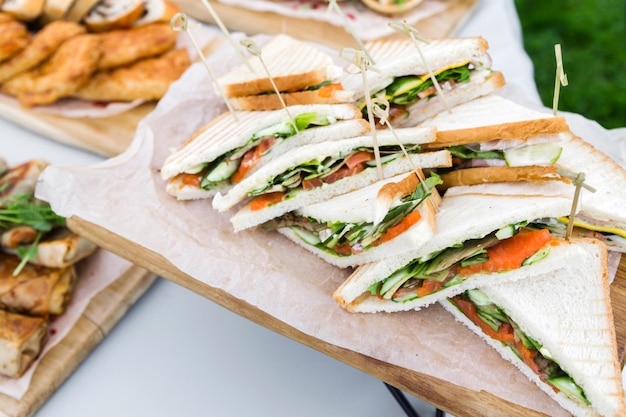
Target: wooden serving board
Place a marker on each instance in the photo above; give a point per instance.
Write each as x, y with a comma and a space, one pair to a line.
452, 398
108, 136
100, 316
253, 22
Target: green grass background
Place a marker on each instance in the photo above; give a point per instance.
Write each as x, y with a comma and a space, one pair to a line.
592, 34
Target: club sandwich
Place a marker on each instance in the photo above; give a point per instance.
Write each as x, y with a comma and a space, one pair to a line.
557, 328
461, 66
602, 213
482, 237
225, 151
380, 220
318, 172
493, 139
302, 73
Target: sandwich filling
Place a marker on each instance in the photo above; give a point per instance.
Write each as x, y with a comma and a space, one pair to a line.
407, 90
540, 151
607, 232
496, 324
345, 239
506, 249
235, 164
317, 172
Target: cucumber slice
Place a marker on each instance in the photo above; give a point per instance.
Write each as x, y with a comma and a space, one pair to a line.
284, 129
478, 297
383, 159
223, 171
307, 236
567, 386
403, 85
393, 282
454, 281
506, 232
539, 154
539, 255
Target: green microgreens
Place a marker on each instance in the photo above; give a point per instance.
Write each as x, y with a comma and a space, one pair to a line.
23, 210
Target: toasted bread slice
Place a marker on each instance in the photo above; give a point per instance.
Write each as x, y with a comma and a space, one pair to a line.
482, 175
293, 65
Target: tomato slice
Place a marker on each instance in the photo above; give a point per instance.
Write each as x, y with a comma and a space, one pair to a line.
251, 159
358, 158
328, 90
312, 183
265, 200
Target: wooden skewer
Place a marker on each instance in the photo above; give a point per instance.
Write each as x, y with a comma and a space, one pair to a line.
180, 23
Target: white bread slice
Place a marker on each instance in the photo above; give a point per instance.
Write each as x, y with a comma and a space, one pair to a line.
398, 57
568, 311
293, 65
157, 11
491, 118
24, 10
111, 14
79, 9
463, 216
362, 206
320, 151
607, 206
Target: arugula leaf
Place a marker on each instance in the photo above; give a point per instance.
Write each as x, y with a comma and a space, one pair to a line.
25, 210
463, 152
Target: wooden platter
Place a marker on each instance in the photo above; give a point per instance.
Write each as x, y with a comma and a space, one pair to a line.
452, 398
98, 319
107, 136
252, 22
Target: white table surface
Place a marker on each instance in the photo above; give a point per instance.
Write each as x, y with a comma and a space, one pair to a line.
178, 354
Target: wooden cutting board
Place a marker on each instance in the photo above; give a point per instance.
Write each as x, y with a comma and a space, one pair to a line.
454, 399
99, 318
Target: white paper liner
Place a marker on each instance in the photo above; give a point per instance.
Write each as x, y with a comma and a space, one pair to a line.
126, 195
367, 24
95, 273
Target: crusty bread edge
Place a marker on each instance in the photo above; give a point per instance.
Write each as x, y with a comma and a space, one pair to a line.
482, 175
291, 82
272, 101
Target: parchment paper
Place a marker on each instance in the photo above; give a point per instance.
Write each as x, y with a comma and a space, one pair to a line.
367, 24
95, 273
126, 195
